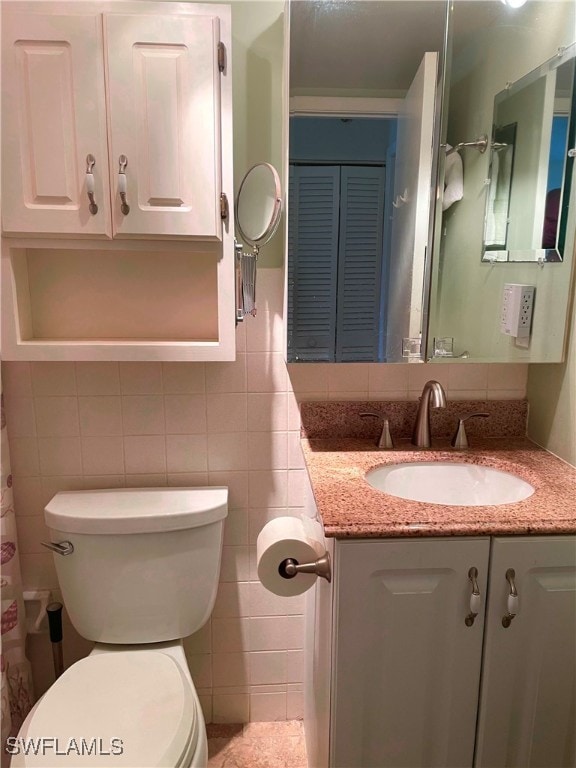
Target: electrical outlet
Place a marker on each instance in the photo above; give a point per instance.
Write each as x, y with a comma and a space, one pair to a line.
517, 309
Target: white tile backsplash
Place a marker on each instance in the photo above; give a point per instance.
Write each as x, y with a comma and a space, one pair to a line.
53, 379
230, 669
231, 634
83, 425
21, 417
267, 412
16, 380
57, 416
267, 707
103, 455
184, 379
227, 377
145, 453
60, 455
143, 415
230, 707
266, 372
100, 415
98, 378
185, 414
227, 452
227, 412
186, 453
141, 378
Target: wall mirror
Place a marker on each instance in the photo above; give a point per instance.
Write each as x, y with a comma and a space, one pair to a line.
509, 104
364, 121
259, 205
527, 222
258, 208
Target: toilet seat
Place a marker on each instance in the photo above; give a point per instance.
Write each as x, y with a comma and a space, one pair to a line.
139, 697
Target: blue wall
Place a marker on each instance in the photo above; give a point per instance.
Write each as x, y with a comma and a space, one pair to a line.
557, 152
330, 139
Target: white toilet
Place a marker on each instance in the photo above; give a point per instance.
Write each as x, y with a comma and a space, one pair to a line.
143, 574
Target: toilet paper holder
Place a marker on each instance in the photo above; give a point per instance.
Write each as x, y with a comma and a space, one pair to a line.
289, 568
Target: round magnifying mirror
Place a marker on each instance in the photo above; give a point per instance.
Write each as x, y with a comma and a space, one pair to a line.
259, 204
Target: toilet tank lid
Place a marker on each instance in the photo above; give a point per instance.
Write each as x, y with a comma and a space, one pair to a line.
136, 510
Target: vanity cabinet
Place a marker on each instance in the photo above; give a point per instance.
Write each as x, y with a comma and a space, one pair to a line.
414, 679
111, 103
528, 691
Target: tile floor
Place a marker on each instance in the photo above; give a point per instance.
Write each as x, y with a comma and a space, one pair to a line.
257, 745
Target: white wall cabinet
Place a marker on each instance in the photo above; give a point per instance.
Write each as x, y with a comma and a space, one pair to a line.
412, 684
117, 149
53, 117
155, 81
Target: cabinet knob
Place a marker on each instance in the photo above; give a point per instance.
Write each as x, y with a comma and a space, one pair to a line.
90, 163
474, 597
513, 601
122, 184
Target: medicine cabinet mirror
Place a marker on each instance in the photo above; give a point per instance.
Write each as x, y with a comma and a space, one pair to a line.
437, 291
363, 81
509, 100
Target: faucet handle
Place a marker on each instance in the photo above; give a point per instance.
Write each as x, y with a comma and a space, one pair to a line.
460, 439
385, 439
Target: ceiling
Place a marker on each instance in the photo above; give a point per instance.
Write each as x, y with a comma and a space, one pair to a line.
374, 46
361, 45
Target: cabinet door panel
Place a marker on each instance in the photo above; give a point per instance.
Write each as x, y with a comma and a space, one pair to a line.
53, 117
405, 686
528, 694
164, 88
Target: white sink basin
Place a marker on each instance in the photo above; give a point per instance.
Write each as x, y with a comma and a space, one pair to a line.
450, 483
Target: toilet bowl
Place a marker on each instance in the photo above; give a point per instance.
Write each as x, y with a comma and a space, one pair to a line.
145, 693
142, 575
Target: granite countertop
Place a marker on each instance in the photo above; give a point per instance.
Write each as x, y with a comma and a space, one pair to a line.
349, 507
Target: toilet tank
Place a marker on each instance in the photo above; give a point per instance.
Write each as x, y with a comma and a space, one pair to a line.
146, 561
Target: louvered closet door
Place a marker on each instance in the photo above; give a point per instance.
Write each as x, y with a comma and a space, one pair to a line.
313, 261
360, 263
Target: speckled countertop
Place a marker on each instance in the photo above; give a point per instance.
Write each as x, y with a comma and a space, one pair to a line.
349, 507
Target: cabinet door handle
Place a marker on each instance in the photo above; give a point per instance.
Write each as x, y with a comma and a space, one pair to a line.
513, 601
90, 163
122, 185
474, 597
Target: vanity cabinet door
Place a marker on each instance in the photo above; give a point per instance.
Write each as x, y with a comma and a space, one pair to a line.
164, 114
528, 694
53, 117
406, 676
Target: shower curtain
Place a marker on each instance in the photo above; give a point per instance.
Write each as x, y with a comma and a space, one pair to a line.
17, 693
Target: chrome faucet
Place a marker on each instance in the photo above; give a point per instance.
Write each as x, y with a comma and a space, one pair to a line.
432, 394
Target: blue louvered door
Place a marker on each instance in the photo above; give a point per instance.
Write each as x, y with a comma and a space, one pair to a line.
358, 320
313, 261
335, 247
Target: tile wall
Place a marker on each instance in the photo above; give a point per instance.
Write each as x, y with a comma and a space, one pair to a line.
102, 425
